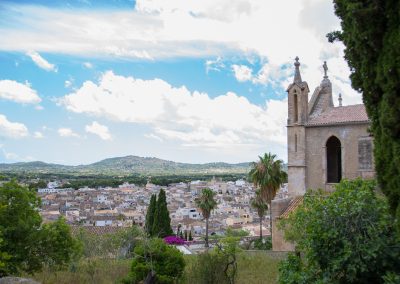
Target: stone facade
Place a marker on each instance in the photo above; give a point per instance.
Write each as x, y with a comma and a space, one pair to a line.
325, 144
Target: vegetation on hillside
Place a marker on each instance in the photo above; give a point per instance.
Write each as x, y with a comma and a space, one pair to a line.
126, 166
28, 245
343, 237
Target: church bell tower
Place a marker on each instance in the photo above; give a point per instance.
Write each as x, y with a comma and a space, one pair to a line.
297, 118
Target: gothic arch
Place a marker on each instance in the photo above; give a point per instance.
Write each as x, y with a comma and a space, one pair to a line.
333, 160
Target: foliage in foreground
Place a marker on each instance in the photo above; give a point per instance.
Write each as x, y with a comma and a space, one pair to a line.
27, 244
156, 256
345, 237
371, 34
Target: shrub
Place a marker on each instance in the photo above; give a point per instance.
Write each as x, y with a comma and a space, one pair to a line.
156, 256
345, 237
174, 240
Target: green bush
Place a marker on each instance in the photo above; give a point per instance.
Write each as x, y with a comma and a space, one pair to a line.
264, 244
345, 237
155, 255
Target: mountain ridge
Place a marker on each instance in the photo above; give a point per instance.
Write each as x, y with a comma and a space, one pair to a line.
126, 165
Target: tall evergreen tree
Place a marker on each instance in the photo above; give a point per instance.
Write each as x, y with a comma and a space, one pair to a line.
162, 222
151, 210
371, 34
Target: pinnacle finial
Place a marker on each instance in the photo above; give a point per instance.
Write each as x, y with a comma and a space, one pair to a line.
325, 66
297, 76
340, 99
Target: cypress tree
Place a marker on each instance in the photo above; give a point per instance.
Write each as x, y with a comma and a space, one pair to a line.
190, 236
371, 34
151, 210
162, 222
186, 236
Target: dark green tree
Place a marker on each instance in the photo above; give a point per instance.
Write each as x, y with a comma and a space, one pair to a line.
20, 224
27, 243
206, 203
371, 34
190, 236
345, 237
151, 210
155, 256
58, 246
162, 221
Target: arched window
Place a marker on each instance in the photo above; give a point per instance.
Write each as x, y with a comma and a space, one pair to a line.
296, 111
334, 160
295, 142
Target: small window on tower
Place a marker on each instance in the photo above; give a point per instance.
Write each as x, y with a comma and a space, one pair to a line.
295, 107
295, 142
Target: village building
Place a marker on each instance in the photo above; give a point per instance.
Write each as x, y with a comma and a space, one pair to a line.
325, 144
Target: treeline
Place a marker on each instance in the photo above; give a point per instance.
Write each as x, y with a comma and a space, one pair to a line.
35, 181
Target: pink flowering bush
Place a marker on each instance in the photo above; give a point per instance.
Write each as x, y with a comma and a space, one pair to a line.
174, 240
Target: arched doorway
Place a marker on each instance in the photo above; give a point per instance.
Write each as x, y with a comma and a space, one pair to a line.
334, 160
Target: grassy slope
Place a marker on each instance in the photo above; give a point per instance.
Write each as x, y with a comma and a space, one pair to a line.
255, 268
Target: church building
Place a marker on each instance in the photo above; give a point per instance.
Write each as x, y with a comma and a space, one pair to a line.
325, 144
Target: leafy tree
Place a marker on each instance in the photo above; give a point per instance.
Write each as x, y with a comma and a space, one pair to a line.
154, 256
206, 203
20, 224
162, 221
345, 237
27, 243
58, 245
218, 265
261, 206
370, 32
151, 210
267, 174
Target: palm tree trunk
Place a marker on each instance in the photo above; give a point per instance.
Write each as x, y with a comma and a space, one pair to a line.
260, 228
270, 218
206, 245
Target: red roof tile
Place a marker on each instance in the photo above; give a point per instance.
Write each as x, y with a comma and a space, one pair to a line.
296, 202
341, 115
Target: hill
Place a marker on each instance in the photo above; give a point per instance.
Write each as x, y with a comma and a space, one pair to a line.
127, 165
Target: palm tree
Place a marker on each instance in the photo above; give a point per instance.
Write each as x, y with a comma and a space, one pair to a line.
267, 174
206, 204
261, 206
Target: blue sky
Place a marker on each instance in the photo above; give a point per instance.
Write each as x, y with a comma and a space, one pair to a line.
190, 81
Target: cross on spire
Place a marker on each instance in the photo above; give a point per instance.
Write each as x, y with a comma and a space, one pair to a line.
297, 76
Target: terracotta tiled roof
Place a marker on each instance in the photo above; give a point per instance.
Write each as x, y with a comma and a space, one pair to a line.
296, 202
341, 115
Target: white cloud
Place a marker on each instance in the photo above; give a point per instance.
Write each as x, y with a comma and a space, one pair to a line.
38, 135
67, 83
209, 28
99, 130
17, 92
191, 118
41, 62
88, 65
242, 73
215, 65
67, 132
12, 129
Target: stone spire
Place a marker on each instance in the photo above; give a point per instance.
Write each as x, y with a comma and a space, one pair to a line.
340, 100
297, 76
325, 70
